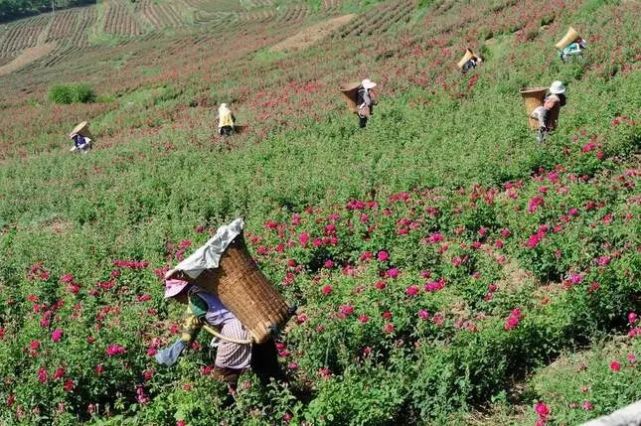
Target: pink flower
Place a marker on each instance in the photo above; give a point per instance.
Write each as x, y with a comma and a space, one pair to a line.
435, 237
541, 409
632, 318
535, 203
329, 264
69, 385
67, 278
382, 256
115, 349
631, 358
327, 290
380, 285
367, 255
615, 366
364, 319
292, 366
56, 335
412, 290
587, 406
423, 314
393, 272
42, 375
59, 373
303, 238
388, 328
99, 369
346, 310
513, 320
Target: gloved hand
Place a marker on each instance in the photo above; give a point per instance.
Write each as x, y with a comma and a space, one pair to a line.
168, 356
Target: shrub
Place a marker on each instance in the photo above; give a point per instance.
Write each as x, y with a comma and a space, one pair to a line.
71, 93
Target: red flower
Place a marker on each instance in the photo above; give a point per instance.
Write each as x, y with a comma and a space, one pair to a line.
412, 291
115, 349
382, 256
56, 335
513, 320
42, 375
615, 366
363, 319
327, 289
541, 409
388, 328
69, 385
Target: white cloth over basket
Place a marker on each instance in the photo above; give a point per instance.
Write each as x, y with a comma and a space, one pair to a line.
208, 256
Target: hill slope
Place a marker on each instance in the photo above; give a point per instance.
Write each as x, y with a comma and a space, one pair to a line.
441, 258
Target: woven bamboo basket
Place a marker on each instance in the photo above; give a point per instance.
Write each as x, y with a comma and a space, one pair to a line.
533, 98
81, 129
468, 55
350, 91
569, 37
246, 292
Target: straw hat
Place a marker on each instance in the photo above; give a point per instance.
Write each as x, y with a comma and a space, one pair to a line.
78, 129
368, 84
557, 88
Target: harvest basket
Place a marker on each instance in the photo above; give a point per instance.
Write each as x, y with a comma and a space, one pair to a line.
350, 91
81, 129
532, 99
246, 292
468, 55
569, 37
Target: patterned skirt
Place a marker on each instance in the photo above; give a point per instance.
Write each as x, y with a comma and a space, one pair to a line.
233, 355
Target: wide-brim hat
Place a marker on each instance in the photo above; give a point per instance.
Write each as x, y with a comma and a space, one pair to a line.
174, 286
368, 84
78, 129
557, 88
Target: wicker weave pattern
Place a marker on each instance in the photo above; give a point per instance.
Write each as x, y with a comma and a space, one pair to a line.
533, 98
245, 291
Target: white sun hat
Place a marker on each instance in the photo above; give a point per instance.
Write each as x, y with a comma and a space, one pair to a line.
557, 88
368, 84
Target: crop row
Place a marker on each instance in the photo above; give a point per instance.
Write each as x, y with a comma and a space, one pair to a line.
163, 15
87, 19
23, 34
294, 13
63, 25
119, 20
379, 20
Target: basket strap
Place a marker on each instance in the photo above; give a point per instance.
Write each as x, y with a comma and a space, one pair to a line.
228, 339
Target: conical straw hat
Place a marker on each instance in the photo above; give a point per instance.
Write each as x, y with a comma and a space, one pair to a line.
468, 55
82, 129
569, 37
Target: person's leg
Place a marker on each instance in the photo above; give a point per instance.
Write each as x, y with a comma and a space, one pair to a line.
362, 121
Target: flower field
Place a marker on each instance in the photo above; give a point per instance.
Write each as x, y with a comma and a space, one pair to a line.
448, 269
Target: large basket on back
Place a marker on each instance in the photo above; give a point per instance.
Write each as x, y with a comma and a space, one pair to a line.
469, 54
569, 37
350, 92
81, 129
532, 99
246, 292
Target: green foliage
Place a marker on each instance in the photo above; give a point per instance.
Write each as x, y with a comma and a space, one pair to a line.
71, 93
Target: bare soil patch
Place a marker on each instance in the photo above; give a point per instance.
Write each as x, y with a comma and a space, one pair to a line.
311, 35
27, 56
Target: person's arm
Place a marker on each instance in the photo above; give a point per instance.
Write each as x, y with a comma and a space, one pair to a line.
191, 326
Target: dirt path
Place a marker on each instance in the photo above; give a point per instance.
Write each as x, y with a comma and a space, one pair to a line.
27, 56
311, 35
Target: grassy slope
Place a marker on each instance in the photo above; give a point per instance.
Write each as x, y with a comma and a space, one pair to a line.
159, 174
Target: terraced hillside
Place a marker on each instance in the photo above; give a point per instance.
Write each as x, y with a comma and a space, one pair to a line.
448, 268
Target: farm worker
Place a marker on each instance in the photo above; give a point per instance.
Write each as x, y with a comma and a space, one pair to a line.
80, 143
548, 112
575, 48
226, 120
471, 64
365, 101
235, 353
